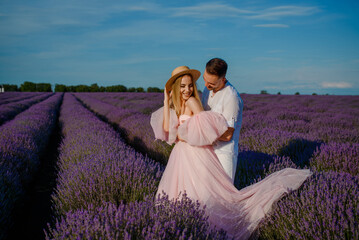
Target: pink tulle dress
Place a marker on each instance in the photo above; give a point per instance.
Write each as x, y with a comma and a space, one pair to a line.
194, 168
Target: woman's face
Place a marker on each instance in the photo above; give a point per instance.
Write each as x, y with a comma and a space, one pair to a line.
186, 87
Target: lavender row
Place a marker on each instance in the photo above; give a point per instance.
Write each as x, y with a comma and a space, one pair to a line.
326, 207
106, 189
18, 96
144, 103
163, 219
22, 141
337, 156
96, 165
315, 118
134, 124
10, 110
8, 95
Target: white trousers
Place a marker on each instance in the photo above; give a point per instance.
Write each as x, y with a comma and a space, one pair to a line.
229, 163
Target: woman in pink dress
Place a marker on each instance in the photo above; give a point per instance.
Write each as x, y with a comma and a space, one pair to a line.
194, 168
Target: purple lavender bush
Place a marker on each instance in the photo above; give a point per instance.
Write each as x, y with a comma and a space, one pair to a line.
22, 141
133, 123
10, 110
341, 157
149, 219
253, 166
18, 96
95, 165
314, 118
265, 140
140, 102
322, 133
326, 207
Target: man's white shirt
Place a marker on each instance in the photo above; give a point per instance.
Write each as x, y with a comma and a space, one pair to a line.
228, 103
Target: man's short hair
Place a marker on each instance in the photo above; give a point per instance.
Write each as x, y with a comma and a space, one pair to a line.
217, 66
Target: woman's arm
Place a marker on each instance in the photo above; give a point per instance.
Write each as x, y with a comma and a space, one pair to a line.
194, 105
166, 111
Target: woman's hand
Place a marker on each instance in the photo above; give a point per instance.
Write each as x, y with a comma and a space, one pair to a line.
166, 111
168, 96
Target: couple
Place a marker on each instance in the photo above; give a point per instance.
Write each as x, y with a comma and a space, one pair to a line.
203, 143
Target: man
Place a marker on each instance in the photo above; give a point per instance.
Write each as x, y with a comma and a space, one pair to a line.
220, 96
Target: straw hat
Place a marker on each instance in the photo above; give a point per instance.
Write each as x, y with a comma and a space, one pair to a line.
180, 71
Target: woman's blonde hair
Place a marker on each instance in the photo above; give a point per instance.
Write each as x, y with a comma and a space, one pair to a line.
176, 94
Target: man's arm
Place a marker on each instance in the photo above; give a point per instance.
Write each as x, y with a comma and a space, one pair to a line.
227, 135
230, 113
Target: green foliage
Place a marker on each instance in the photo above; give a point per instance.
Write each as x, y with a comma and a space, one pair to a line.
116, 88
82, 88
28, 87
60, 88
46, 87
35, 87
140, 89
43, 87
94, 88
264, 92
297, 93
10, 88
153, 89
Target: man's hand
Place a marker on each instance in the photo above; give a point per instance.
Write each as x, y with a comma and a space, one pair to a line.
180, 139
227, 135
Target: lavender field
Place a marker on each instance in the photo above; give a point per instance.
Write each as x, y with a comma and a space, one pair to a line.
109, 165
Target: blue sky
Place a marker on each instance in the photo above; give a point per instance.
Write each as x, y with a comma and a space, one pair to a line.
277, 46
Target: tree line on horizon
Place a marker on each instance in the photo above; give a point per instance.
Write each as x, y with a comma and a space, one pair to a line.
46, 87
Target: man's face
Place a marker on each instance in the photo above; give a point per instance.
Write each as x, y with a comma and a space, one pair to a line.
212, 82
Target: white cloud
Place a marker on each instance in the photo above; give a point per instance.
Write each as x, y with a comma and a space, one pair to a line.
284, 11
209, 10
272, 25
336, 85
215, 10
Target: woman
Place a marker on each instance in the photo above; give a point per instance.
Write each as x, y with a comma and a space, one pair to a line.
194, 168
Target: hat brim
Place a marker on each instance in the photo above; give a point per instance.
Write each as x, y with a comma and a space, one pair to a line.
193, 72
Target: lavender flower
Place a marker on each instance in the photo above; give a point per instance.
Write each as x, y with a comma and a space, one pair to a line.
10, 110
161, 219
343, 157
326, 207
22, 141
96, 165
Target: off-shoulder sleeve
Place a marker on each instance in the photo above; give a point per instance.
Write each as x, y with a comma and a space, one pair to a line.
203, 128
157, 126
